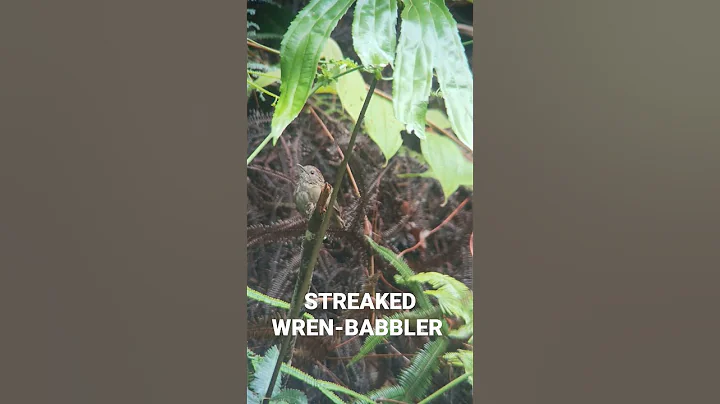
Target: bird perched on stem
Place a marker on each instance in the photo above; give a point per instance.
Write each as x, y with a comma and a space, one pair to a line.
309, 185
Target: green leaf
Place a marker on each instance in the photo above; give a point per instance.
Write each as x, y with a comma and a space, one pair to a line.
416, 378
255, 295
412, 75
374, 31
447, 162
438, 118
332, 396
405, 272
453, 296
373, 340
290, 396
461, 358
453, 72
393, 392
299, 55
269, 77
322, 385
380, 122
263, 373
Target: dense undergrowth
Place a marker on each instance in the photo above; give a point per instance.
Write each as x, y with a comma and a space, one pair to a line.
379, 198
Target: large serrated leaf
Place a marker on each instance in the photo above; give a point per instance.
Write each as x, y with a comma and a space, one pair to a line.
453, 72
380, 122
447, 162
412, 76
374, 31
299, 56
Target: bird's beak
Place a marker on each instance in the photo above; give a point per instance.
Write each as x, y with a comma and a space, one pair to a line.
301, 167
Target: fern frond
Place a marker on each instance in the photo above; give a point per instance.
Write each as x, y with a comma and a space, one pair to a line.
372, 341
285, 230
332, 396
405, 272
453, 296
267, 35
417, 377
289, 396
271, 2
263, 373
258, 67
311, 381
389, 392
260, 297
461, 358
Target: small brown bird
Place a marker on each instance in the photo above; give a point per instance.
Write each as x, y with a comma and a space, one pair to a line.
308, 187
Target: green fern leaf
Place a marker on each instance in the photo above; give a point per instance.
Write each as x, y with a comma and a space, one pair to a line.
452, 295
405, 272
260, 297
289, 396
461, 358
263, 373
389, 392
372, 341
416, 378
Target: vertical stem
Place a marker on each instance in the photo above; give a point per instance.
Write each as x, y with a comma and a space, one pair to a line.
313, 242
258, 149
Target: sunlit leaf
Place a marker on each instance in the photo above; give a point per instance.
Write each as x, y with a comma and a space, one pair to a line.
412, 76
380, 122
452, 295
269, 77
461, 358
453, 72
290, 396
263, 373
447, 162
374, 31
438, 118
299, 55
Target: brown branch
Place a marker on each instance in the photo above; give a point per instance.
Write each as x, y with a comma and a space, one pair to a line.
254, 44
465, 29
328, 134
444, 222
270, 172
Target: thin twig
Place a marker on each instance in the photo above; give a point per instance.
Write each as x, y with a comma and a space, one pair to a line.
446, 387
382, 278
329, 135
259, 148
390, 400
398, 355
465, 29
261, 46
345, 342
444, 222
262, 90
270, 172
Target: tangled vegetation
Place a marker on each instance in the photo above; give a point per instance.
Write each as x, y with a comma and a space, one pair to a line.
378, 96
